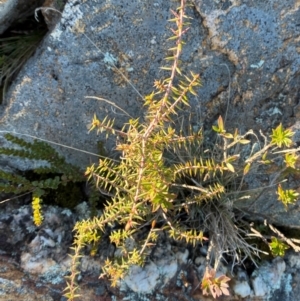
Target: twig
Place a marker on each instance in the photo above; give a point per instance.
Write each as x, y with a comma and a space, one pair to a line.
110, 102
282, 236
18, 196
55, 143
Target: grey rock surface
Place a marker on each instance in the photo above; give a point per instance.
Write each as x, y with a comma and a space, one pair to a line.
48, 99
259, 40
267, 279
246, 52
34, 262
253, 48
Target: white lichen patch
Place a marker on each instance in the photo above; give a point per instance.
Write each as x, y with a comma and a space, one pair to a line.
110, 60
55, 35
258, 65
242, 289
35, 264
142, 280
71, 14
67, 212
274, 111
72, 19
268, 278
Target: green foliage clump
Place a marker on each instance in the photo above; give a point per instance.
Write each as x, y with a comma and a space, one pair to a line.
15, 50
288, 196
178, 183
57, 178
278, 247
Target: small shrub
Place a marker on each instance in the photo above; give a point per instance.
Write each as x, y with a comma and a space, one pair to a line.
177, 183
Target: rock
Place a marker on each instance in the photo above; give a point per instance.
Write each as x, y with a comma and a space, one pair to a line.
240, 284
142, 280
246, 53
257, 44
182, 257
267, 279
34, 258
203, 250
255, 39
155, 274
36, 268
199, 260
35, 265
242, 289
68, 67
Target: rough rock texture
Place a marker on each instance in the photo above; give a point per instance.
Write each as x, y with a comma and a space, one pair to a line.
34, 262
247, 53
260, 44
13, 10
48, 99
